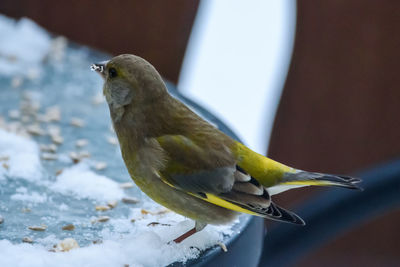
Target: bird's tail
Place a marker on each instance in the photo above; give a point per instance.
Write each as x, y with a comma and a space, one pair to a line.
320, 179
304, 178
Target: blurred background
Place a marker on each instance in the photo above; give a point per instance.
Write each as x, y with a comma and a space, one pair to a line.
311, 84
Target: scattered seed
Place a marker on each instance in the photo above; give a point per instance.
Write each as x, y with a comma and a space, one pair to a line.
33, 73
81, 142
74, 156
112, 204
77, 122
77, 157
133, 220
38, 228
98, 241
59, 172
68, 227
144, 212
57, 139
126, 185
26, 210
14, 114
49, 156
4, 158
160, 212
57, 48
53, 114
130, 200
35, 129
100, 166
25, 119
48, 148
157, 223
112, 140
27, 240
5, 166
98, 99
223, 247
67, 244
103, 219
55, 133
84, 154
102, 208
54, 130
16, 81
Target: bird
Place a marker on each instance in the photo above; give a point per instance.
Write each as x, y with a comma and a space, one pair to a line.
186, 164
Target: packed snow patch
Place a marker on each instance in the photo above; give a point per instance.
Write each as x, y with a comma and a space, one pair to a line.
81, 182
20, 156
23, 46
33, 197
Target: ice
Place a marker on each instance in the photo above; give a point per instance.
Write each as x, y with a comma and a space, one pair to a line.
81, 182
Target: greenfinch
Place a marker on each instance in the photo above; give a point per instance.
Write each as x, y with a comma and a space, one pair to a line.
186, 164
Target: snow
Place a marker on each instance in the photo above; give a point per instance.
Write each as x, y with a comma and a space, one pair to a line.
81, 182
33, 197
23, 46
143, 242
23, 157
142, 247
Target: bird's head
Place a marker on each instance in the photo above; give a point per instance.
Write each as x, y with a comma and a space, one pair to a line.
129, 79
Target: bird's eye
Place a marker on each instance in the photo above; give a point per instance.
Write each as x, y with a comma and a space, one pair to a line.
112, 73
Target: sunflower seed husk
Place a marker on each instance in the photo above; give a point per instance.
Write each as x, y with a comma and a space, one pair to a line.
49, 156
40, 228
68, 227
27, 240
14, 114
16, 81
77, 122
223, 247
112, 204
130, 200
48, 148
112, 140
126, 185
102, 208
81, 142
67, 244
35, 129
5, 166
103, 219
100, 166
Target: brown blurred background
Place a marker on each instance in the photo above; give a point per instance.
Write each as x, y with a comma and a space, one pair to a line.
340, 108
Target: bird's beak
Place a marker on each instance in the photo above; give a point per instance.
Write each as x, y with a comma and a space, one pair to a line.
99, 67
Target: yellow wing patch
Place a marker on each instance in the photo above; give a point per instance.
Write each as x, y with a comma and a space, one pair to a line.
217, 201
226, 204
310, 182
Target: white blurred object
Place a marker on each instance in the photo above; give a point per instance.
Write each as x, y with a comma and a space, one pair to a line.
23, 45
236, 63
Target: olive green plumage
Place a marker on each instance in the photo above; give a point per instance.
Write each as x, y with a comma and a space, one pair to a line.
186, 164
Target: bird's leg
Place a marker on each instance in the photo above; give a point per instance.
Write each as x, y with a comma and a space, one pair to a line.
197, 227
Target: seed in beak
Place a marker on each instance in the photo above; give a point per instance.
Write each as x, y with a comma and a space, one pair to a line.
97, 67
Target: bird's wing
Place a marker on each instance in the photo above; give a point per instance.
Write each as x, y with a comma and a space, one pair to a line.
214, 176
